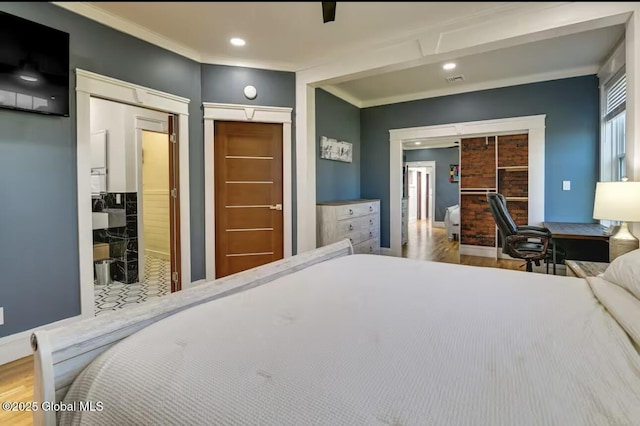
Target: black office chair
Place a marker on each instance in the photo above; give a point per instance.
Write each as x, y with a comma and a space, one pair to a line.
530, 243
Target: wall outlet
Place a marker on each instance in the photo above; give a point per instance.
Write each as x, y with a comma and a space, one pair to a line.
1, 316
117, 198
566, 185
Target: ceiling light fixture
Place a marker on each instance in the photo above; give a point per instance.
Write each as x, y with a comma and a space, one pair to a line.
449, 66
417, 143
238, 41
29, 78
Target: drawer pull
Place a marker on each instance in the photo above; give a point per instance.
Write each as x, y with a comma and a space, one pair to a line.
370, 208
351, 240
370, 249
350, 227
370, 234
350, 211
370, 221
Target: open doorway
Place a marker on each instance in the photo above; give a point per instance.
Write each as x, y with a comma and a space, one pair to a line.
134, 208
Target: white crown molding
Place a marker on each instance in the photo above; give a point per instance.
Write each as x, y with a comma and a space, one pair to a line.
129, 27
343, 94
533, 78
247, 63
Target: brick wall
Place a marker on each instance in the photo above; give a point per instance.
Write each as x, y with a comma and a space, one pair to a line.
513, 150
477, 227
513, 184
478, 162
519, 211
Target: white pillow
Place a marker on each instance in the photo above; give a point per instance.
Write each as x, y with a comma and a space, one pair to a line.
625, 272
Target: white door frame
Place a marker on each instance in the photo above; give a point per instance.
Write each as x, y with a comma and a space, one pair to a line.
89, 84
152, 125
244, 113
533, 125
432, 184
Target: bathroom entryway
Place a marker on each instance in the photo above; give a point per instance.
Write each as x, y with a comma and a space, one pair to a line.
134, 181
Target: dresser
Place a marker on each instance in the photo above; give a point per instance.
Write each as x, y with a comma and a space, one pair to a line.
357, 220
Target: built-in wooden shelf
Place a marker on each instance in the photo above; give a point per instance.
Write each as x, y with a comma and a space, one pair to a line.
516, 198
514, 168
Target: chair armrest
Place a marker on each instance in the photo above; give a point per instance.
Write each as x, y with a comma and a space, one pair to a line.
524, 237
534, 228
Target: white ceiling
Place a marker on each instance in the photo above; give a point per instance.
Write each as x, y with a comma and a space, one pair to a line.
280, 35
571, 55
291, 36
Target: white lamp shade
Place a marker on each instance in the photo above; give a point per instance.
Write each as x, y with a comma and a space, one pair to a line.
617, 201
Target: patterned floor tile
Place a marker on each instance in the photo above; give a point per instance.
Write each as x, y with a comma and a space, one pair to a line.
117, 295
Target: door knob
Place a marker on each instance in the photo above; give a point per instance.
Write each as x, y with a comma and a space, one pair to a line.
276, 207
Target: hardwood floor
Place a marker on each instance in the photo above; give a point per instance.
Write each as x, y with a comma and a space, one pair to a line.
16, 385
426, 242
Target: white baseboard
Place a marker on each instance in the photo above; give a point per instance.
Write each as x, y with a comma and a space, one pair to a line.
478, 251
18, 345
438, 224
386, 251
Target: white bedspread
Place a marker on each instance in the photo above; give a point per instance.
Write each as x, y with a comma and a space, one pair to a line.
374, 340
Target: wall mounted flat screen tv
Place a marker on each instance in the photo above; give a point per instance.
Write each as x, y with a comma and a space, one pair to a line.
34, 67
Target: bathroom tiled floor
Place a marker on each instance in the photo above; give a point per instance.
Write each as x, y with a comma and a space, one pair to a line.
157, 282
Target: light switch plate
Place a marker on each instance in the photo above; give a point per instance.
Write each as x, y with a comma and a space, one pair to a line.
1, 316
117, 198
566, 185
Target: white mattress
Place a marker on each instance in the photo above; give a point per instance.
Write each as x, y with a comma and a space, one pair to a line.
374, 340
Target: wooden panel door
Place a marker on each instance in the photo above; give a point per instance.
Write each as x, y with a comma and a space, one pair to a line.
248, 195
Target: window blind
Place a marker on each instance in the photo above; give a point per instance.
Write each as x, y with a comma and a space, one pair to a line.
616, 96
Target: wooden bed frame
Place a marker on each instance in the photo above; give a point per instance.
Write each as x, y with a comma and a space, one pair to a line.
60, 354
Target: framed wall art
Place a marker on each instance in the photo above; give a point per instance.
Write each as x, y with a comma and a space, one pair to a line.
332, 149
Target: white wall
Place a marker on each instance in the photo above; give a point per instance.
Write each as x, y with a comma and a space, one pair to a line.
110, 116
155, 194
120, 122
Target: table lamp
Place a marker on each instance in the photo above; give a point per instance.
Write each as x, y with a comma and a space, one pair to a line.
618, 201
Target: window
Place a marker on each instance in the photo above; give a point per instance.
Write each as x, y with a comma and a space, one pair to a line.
612, 157
612, 140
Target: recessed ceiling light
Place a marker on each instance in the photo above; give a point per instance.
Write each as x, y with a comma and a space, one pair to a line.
449, 66
29, 78
238, 41
417, 143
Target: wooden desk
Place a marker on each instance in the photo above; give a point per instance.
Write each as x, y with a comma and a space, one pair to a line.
575, 231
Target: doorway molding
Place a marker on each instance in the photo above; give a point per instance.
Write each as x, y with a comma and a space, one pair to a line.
246, 113
432, 185
89, 85
533, 125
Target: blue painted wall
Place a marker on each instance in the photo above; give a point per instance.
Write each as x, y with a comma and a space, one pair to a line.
446, 192
38, 214
335, 118
572, 138
225, 84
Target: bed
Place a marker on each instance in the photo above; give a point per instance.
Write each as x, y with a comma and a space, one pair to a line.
331, 338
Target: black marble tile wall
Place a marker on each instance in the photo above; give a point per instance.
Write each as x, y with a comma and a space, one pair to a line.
123, 241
